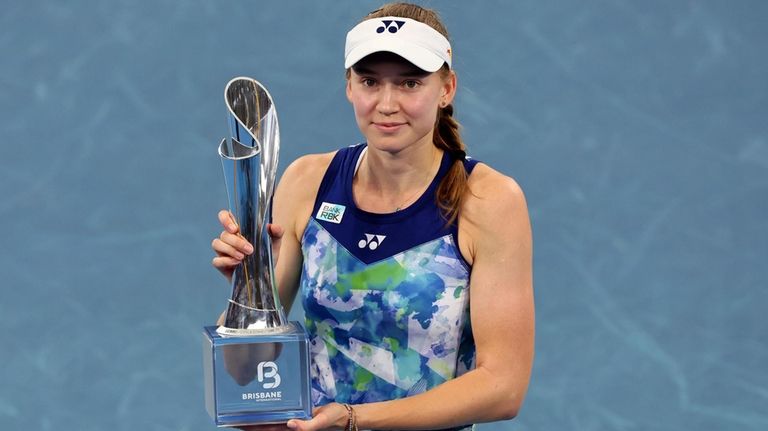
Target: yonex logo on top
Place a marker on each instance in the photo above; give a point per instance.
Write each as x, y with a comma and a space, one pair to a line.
371, 241
390, 25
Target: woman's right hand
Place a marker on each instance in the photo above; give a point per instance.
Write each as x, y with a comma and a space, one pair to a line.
231, 248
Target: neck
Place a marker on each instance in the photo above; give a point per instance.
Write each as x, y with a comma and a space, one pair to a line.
389, 181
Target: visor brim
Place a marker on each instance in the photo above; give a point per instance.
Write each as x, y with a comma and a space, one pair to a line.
420, 57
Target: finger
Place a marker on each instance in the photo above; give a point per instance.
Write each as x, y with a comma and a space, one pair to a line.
298, 424
223, 249
222, 262
237, 242
310, 425
275, 427
275, 230
228, 221
269, 427
319, 422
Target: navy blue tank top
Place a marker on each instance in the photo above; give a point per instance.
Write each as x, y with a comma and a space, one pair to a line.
386, 296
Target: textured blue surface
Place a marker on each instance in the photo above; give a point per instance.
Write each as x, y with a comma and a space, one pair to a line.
639, 131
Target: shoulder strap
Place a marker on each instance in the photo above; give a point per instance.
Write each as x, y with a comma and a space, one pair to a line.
469, 164
335, 175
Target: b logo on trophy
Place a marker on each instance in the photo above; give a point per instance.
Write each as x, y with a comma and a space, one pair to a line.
256, 364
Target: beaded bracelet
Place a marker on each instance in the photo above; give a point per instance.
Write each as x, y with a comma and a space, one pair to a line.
352, 419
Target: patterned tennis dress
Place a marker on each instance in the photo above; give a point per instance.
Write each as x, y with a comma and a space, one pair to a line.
386, 296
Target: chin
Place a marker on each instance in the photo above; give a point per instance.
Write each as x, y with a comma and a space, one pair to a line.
392, 146
393, 143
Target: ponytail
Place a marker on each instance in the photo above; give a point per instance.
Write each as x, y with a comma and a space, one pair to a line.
452, 188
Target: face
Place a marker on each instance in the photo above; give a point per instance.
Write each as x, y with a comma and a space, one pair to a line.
395, 102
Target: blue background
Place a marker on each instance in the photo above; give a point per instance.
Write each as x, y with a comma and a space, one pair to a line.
638, 129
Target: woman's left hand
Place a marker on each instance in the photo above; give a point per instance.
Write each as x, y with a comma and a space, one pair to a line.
331, 416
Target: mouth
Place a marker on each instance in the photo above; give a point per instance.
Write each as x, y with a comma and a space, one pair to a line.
388, 126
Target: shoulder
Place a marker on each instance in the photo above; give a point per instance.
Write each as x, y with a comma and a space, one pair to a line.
491, 193
296, 192
305, 171
494, 212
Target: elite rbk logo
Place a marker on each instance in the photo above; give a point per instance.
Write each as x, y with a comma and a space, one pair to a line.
390, 25
330, 212
371, 241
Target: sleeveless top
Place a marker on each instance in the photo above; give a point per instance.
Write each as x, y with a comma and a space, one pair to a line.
386, 296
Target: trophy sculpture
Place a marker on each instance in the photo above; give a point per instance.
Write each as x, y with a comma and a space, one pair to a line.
256, 363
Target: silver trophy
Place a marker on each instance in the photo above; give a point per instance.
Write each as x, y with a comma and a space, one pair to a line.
249, 159
257, 363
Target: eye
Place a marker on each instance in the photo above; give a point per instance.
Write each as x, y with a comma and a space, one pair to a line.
367, 82
411, 83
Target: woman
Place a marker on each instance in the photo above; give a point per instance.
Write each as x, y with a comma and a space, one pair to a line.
381, 240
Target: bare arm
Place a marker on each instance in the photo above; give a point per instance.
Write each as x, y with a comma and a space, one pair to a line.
497, 234
294, 199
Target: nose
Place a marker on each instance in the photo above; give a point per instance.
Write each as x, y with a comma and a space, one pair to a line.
387, 103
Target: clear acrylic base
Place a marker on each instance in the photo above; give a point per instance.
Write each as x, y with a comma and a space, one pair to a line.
256, 379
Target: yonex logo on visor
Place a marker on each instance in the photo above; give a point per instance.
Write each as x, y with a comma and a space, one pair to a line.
412, 40
388, 25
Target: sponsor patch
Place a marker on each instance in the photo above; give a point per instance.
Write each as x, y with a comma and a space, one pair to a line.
330, 212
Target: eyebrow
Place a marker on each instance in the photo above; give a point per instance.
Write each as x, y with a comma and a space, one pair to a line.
413, 73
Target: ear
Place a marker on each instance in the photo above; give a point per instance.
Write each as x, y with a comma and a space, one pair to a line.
449, 89
349, 90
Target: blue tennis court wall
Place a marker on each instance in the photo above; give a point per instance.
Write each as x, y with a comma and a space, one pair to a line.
638, 129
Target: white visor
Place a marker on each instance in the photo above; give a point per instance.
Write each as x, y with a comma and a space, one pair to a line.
416, 42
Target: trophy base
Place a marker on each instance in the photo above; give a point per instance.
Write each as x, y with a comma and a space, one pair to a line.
256, 379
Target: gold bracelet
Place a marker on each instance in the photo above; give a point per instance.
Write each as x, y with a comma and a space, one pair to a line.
351, 419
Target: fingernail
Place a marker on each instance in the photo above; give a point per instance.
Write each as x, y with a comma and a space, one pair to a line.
249, 249
291, 424
232, 227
